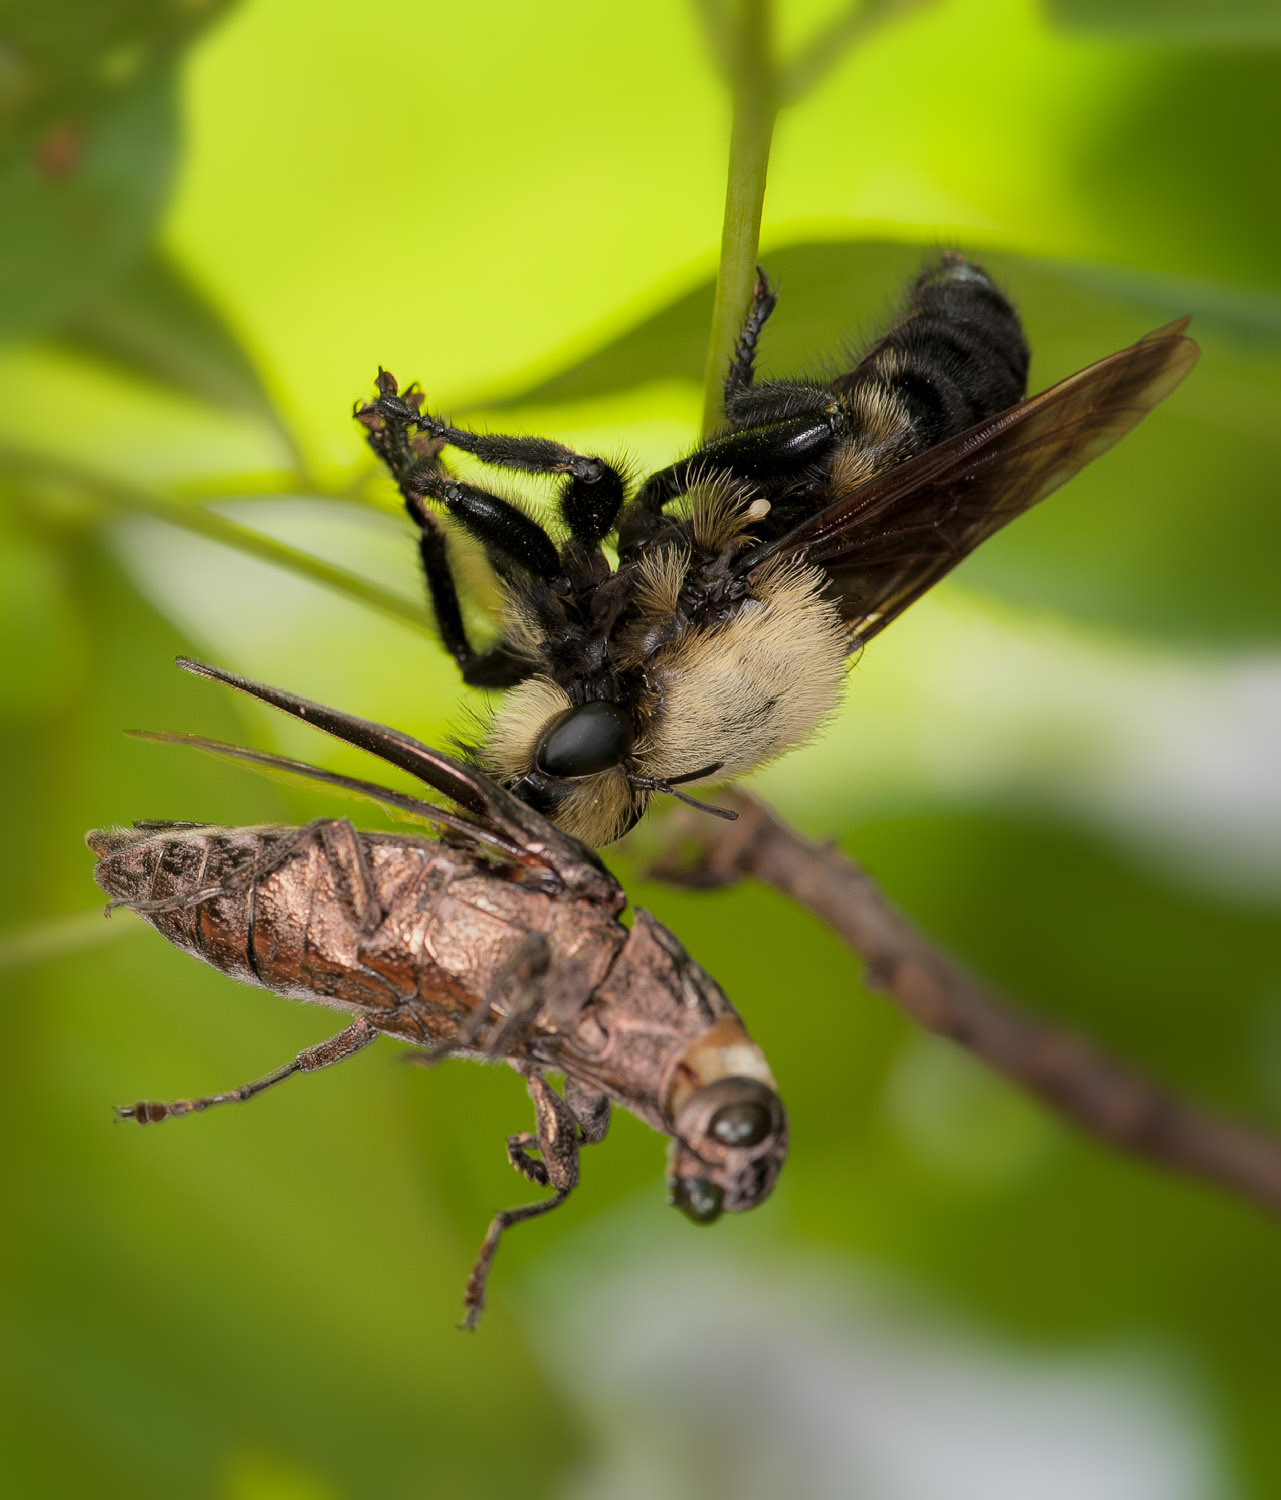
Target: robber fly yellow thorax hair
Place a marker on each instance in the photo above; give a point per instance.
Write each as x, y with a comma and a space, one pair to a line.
745, 684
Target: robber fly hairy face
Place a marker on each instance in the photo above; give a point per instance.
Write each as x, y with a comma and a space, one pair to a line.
748, 572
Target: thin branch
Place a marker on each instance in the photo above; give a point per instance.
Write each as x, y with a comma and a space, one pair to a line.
128, 499
1103, 1097
718, 30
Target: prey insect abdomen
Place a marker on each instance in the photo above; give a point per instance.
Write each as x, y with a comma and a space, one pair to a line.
284, 908
406, 930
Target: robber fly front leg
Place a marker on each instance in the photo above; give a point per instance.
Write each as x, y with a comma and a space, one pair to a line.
557, 1136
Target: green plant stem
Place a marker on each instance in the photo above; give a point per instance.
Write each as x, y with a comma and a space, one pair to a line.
739, 36
750, 140
127, 499
752, 82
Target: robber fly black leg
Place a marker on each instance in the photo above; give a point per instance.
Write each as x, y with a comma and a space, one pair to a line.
557, 1142
413, 464
742, 367
388, 420
357, 1036
787, 428
496, 668
512, 542
592, 491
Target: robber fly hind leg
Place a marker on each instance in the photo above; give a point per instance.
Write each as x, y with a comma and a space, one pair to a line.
742, 366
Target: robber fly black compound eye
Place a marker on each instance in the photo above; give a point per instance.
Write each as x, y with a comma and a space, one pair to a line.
584, 740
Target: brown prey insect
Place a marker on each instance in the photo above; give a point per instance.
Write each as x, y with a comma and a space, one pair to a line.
499, 941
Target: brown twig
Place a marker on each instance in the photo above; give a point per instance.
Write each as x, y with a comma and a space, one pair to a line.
1100, 1095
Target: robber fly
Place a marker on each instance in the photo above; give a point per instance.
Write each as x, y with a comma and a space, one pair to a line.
500, 941
813, 518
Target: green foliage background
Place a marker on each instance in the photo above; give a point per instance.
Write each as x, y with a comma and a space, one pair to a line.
219, 221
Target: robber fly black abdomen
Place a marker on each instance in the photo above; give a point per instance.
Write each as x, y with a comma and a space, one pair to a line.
750, 570
956, 357
501, 941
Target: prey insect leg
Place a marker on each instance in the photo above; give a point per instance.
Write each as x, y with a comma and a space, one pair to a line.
276, 855
357, 1036
556, 1138
520, 972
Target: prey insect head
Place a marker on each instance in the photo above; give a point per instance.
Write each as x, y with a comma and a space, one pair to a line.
731, 1142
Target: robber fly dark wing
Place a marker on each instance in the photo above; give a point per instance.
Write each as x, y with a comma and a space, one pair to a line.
894, 537
492, 807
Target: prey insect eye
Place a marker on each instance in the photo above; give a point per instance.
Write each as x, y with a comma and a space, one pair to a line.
742, 1124
698, 1200
583, 740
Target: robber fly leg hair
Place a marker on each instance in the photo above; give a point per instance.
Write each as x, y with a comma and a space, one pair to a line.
357, 1036
557, 1140
742, 366
496, 668
590, 495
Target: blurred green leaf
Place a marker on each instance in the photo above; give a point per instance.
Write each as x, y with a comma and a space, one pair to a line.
45, 481
1226, 22
73, 229
89, 126
155, 323
72, 60
41, 641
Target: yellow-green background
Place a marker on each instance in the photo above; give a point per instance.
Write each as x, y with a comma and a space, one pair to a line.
217, 223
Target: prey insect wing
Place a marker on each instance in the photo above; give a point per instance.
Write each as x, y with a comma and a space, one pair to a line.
895, 536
